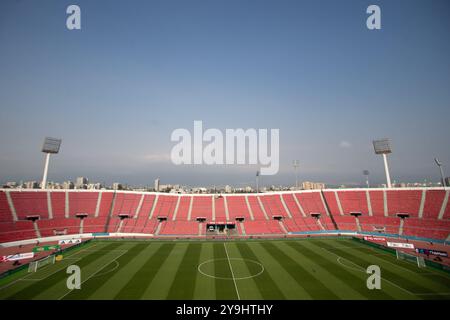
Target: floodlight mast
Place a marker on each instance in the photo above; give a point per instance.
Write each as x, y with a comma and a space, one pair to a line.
386, 169
257, 181
383, 147
44, 177
51, 145
296, 165
366, 173
439, 164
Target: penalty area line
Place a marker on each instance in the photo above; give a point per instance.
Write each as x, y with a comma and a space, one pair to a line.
93, 274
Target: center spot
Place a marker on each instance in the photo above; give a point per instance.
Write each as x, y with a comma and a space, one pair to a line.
220, 268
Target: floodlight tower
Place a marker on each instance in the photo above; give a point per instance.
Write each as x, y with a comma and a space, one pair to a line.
257, 181
439, 164
383, 147
366, 173
51, 146
295, 164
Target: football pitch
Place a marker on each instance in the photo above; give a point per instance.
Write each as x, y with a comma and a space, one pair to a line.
331, 268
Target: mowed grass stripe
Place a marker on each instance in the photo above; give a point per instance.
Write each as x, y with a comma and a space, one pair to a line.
113, 285
356, 283
205, 287
315, 288
144, 276
183, 285
41, 286
91, 285
243, 275
158, 289
264, 282
225, 289
293, 291
364, 260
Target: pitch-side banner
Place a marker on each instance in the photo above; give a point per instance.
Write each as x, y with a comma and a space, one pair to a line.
400, 245
70, 241
373, 238
19, 256
432, 252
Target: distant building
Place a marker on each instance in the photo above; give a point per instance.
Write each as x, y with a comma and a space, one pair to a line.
157, 184
228, 189
81, 183
68, 185
308, 185
31, 185
94, 186
117, 186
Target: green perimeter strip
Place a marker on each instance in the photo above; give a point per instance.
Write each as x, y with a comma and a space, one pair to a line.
183, 285
91, 285
221, 240
356, 283
225, 289
313, 286
39, 287
364, 260
137, 285
266, 286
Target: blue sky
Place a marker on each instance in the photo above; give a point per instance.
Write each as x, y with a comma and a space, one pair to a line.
115, 90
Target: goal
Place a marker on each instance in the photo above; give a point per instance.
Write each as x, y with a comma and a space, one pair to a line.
420, 261
35, 265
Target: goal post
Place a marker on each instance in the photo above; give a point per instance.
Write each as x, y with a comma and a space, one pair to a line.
35, 265
420, 261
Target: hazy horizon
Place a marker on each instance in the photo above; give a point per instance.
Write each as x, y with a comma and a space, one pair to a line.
137, 70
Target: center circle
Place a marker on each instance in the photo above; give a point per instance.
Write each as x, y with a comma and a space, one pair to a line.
224, 263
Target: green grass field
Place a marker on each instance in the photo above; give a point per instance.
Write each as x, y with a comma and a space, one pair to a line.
256, 269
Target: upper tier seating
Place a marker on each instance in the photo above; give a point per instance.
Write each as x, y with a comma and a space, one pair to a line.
433, 203
273, 206
237, 207
311, 202
30, 204
353, 201
201, 207
404, 201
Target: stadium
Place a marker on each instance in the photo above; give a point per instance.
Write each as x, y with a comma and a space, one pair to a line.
218, 153
286, 245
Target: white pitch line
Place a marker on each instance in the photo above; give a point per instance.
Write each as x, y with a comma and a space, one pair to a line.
232, 273
358, 266
107, 264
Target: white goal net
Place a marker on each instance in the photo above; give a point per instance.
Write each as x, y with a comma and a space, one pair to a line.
35, 265
420, 261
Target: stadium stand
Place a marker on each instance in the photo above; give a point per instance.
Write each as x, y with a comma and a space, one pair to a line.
424, 212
